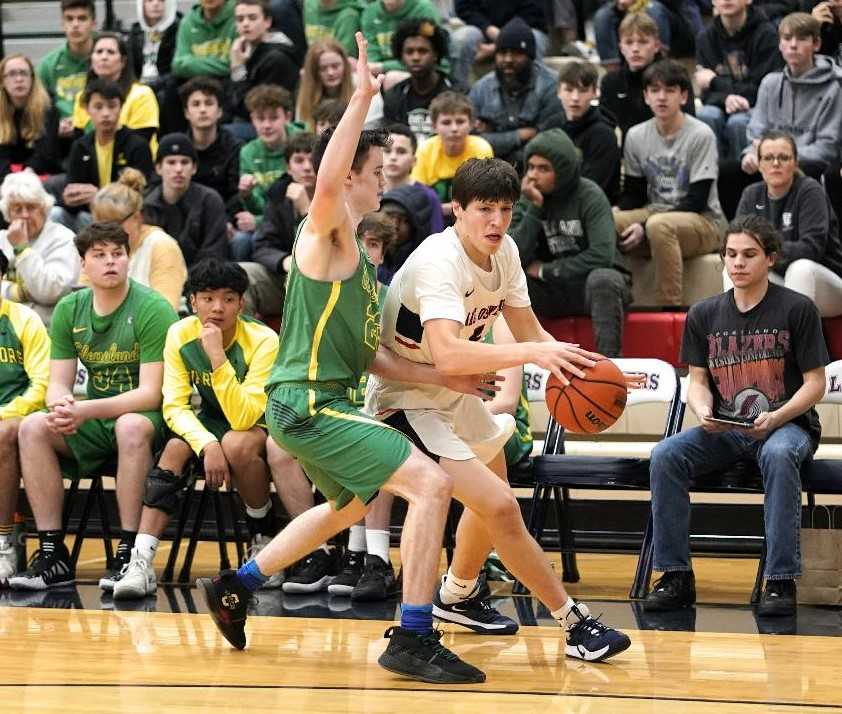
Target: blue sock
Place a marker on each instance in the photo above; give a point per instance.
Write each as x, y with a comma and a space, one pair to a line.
417, 618
250, 576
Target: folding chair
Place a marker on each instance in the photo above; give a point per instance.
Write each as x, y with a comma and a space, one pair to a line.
555, 472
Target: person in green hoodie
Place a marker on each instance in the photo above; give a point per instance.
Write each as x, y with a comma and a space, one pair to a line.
203, 44
565, 233
380, 20
338, 19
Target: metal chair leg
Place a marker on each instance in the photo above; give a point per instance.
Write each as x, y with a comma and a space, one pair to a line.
105, 524
180, 525
758, 580
566, 542
184, 574
643, 573
83, 521
221, 538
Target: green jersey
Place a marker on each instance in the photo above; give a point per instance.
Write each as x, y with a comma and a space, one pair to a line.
266, 165
112, 347
330, 331
63, 75
356, 395
340, 22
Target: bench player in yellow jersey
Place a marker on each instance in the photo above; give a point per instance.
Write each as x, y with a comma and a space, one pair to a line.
330, 337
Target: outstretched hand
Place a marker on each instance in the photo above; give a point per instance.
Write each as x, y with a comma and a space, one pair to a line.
366, 82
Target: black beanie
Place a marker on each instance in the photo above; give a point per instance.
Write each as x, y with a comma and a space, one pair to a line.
175, 145
517, 35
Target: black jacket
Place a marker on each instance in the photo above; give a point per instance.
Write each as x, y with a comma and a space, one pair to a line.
270, 63
218, 166
414, 202
740, 60
204, 233
397, 103
42, 155
130, 149
595, 138
621, 93
482, 13
275, 235
165, 52
831, 33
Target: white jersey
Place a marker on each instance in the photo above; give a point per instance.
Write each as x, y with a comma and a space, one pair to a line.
439, 280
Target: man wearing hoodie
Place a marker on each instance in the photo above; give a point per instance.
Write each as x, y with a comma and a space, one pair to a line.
621, 92
410, 212
565, 234
515, 101
804, 100
733, 54
381, 19
339, 19
152, 40
590, 128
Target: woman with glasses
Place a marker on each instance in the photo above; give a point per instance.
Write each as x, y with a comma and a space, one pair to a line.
28, 123
810, 261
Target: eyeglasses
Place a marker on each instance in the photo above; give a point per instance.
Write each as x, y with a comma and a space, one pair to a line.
776, 159
15, 73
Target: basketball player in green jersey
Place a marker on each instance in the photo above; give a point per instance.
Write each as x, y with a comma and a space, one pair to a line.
226, 357
24, 373
330, 337
116, 329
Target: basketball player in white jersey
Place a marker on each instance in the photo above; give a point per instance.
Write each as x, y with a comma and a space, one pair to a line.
439, 306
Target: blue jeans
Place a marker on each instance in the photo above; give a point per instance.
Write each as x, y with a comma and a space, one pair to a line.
606, 21
730, 130
695, 452
241, 246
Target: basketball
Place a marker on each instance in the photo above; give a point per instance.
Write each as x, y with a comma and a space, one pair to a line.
589, 405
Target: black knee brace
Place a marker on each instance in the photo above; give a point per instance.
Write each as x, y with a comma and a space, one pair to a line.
164, 490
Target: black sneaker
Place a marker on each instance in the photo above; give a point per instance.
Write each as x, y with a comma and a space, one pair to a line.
119, 566
474, 612
591, 640
674, 590
47, 569
312, 574
227, 601
377, 581
778, 599
424, 658
349, 575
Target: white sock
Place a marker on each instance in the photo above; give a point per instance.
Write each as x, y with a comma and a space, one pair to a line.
258, 513
146, 546
324, 547
377, 543
356, 539
454, 589
562, 614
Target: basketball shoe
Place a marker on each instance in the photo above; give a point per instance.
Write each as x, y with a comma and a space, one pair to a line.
8, 559
227, 602
425, 658
591, 640
474, 612
377, 581
138, 579
49, 567
350, 573
119, 565
312, 574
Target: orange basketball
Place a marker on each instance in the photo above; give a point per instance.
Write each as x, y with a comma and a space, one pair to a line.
589, 405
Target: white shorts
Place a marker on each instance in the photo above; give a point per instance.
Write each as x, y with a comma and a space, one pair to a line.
466, 430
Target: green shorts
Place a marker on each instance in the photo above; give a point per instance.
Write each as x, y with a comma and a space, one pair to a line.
94, 445
343, 452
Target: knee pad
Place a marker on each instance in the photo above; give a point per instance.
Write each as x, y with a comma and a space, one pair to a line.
164, 490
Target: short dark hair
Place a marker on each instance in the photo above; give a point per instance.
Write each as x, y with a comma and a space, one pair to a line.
217, 274
758, 228
368, 138
206, 85
421, 27
329, 110
578, 74
378, 224
262, 4
485, 180
404, 130
4, 263
301, 143
105, 88
775, 135
88, 5
668, 73
268, 96
107, 232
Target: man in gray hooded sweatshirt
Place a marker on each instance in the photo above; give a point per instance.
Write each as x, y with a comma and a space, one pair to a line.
804, 100
565, 233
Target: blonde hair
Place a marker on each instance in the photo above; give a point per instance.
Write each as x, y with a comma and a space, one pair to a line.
119, 200
312, 91
34, 111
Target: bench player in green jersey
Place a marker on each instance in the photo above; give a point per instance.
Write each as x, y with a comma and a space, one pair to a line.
330, 336
116, 328
24, 373
227, 358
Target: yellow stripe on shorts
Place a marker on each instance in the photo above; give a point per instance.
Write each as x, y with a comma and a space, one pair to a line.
327, 411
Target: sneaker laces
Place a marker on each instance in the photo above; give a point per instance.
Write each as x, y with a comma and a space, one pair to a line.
41, 561
591, 625
433, 641
351, 561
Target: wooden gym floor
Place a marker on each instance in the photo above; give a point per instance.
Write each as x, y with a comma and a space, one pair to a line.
74, 651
